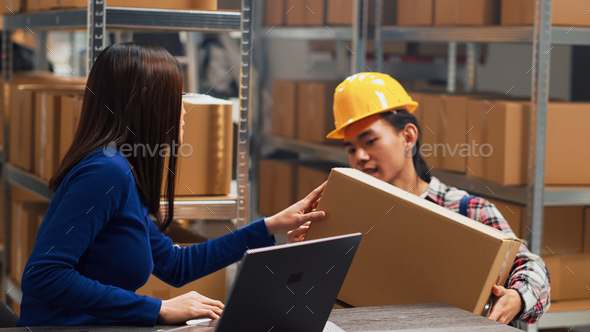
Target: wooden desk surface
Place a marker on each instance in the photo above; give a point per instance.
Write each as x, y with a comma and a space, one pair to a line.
415, 318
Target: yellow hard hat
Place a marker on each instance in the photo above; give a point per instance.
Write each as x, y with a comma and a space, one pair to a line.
364, 94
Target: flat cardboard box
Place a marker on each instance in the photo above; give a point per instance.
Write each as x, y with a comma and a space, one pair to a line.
208, 133
305, 12
275, 12
71, 109
309, 177
466, 12
314, 109
284, 113
212, 286
587, 230
514, 214
564, 12
569, 276
415, 12
47, 134
413, 251
277, 185
501, 142
171, 4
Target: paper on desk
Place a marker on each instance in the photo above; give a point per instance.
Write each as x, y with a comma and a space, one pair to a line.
331, 327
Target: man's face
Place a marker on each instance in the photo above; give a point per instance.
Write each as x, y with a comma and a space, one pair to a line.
375, 148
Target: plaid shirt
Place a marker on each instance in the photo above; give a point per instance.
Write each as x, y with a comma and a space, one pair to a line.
529, 275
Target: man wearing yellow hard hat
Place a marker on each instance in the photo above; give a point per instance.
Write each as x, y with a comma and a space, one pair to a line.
374, 117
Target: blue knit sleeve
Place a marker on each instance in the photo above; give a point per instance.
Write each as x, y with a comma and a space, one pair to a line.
92, 194
179, 266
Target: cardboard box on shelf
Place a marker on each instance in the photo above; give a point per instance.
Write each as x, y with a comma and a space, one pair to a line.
173, 4
413, 251
564, 12
206, 154
314, 109
71, 108
26, 218
305, 12
284, 113
415, 12
13, 6
500, 135
212, 286
466, 12
47, 134
277, 185
275, 12
569, 276
340, 12
431, 130
22, 103
310, 176
563, 230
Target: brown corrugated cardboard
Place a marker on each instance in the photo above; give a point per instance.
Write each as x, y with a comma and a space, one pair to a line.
275, 12
211, 286
314, 109
572, 305
500, 135
22, 128
569, 276
571, 118
415, 12
305, 12
26, 218
277, 185
466, 12
432, 137
47, 134
284, 119
453, 114
13, 6
170, 4
208, 134
71, 108
413, 251
309, 177
563, 230
514, 214
340, 12
586, 230
564, 12
389, 47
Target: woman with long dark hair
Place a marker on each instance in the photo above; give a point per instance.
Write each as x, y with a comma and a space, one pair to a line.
374, 117
97, 243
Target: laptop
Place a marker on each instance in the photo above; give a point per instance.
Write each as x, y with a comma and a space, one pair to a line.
291, 287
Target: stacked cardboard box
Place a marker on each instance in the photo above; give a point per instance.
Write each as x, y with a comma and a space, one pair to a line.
505, 125
303, 110
44, 5
564, 12
466, 12
284, 181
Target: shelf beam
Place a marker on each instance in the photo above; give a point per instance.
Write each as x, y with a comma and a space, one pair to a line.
27, 181
209, 209
129, 18
564, 319
560, 36
13, 291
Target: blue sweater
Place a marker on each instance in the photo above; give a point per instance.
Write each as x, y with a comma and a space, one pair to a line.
97, 245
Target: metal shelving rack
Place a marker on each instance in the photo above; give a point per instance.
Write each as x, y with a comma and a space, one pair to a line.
542, 35
96, 19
